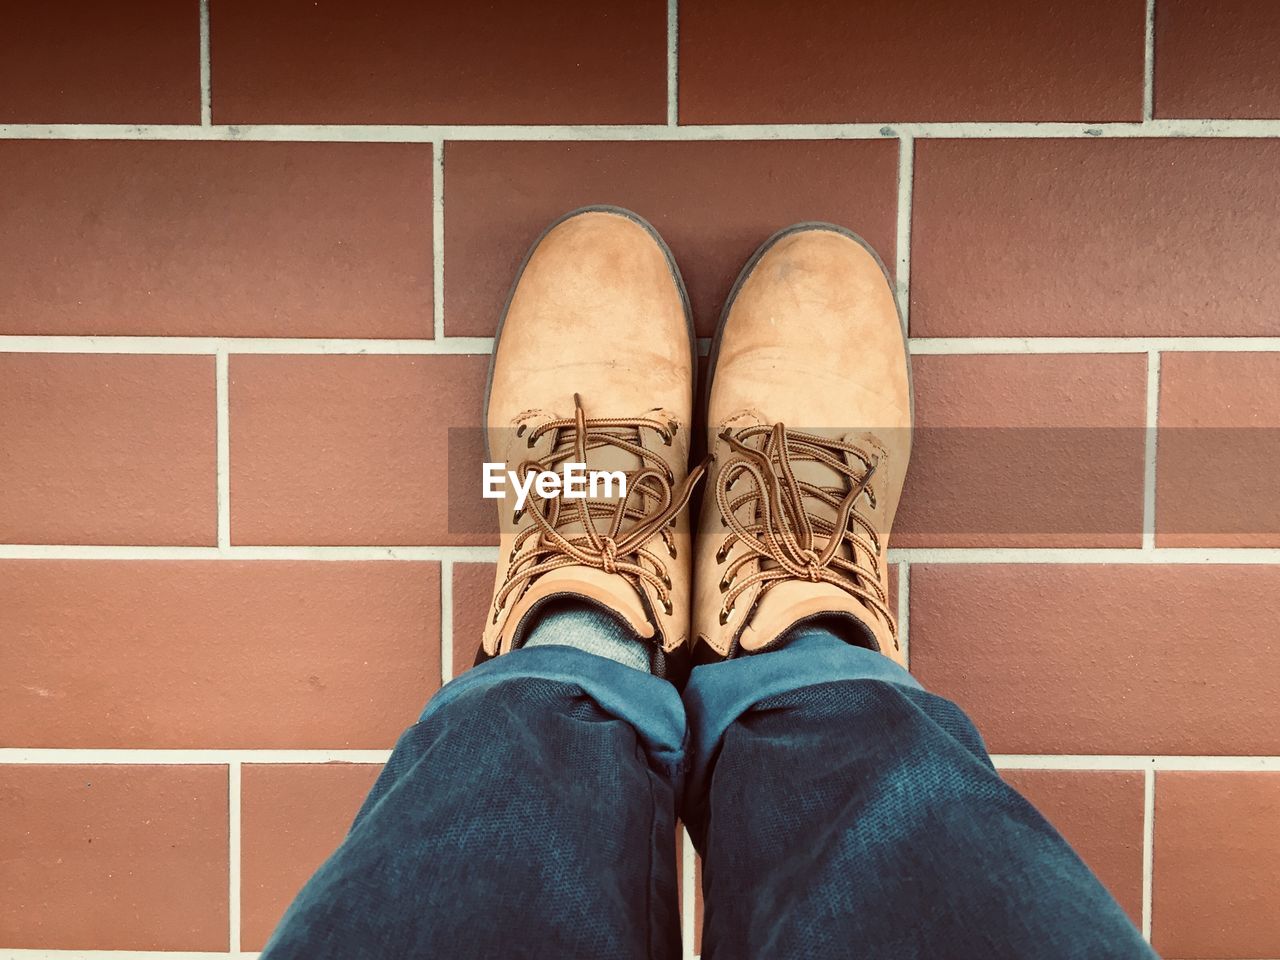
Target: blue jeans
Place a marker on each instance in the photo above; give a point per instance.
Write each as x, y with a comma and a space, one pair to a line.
840, 810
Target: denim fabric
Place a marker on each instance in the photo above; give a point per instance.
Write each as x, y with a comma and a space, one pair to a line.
841, 812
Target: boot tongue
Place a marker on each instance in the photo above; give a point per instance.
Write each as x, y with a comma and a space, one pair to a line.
606, 457
608, 590
819, 474
785, 604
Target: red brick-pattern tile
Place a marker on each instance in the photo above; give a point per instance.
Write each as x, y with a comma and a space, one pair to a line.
1218, 447
1038, 451
107, 449
1124, 659
1098, 812
113, 857
215, 654
579, 61
357, 450
1216, 865
1217, 59
826, 61
292, 817
216, 239
472, 603
1072, 238
68, 61
713, 202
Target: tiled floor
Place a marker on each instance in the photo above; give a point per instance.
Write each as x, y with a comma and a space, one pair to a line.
251, 256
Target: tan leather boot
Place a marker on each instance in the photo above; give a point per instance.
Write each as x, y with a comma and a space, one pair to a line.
809, 415
594, 364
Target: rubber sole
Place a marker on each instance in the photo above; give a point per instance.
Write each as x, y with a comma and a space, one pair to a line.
671, 264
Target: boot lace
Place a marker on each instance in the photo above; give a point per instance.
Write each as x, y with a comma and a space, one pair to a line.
785, 532
614, 536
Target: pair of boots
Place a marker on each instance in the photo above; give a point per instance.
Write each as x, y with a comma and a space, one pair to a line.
807, 413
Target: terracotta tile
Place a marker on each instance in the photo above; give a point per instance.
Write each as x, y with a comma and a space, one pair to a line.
215, 654
1098, 812
1093, 658
358, 450
69, 61
825, 61
713, 202
472, 596
113, 857
292, 816
1217, 59
1216, 866
1040, 451
1084, 237
1218, 450
579, 61
107, 449
216, 239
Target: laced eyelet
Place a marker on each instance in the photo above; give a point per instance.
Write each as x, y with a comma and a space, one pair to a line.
722, 554
521, 429
671, 549
666, 581
517, 514
668, 607
724, 616
724, 585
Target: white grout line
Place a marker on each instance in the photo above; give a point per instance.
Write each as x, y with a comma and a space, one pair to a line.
186, 346
688, 874
223, 403
673, 61
233, 888
1149, 452
904, 611
36, 551
1175, 555
906, 186
487, 554
37, 954
1072, 761
437, 241
1149, 63
206, 88
446, 621
1148, 846
1004, 345
1004, 761
369, 133
479, 346
166, 757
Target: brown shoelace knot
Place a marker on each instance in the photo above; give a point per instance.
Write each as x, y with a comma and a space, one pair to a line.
783, 535
590, 532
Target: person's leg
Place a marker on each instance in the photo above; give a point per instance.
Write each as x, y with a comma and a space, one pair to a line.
841, 810
530, 812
